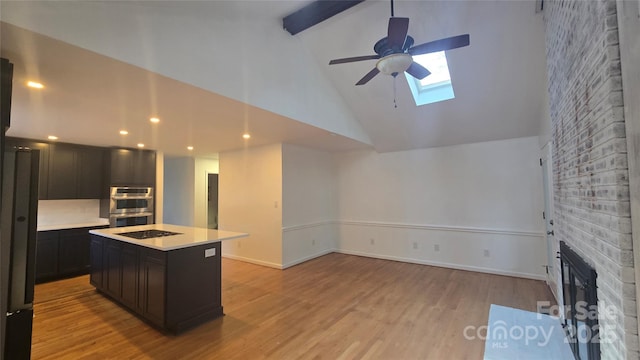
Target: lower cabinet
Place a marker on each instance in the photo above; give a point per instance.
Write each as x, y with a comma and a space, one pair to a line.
151, 301
96, 262
62, 253
174, 290
47, 244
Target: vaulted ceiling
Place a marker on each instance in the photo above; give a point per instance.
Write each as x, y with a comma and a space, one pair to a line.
213, 70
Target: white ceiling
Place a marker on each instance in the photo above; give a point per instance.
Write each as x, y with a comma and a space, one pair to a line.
212, 70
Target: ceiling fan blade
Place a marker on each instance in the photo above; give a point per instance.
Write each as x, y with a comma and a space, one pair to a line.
397, 32
354, 59
369, 76
440, 45
418, 71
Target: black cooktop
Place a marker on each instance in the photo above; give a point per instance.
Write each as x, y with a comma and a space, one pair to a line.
146, 234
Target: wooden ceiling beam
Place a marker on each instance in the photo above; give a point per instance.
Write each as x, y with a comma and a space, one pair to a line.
315, 13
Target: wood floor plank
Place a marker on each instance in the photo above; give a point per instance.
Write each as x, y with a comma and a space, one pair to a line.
333, 307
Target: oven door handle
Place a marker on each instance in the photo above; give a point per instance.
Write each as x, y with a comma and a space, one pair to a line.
128, 197
129, 215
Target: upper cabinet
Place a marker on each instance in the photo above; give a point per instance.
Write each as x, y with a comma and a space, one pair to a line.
69, 171
91, 173
131, 167
63, 171
44, 161
75, 172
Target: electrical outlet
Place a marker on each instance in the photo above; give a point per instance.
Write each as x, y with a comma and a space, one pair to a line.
415, 245
313, 241
486, 253
436, 247
373, 241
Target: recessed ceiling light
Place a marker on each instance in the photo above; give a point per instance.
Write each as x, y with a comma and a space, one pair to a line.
140, 145
189, 148
52, 137
35, 85
124, 132
246, 136
154, 120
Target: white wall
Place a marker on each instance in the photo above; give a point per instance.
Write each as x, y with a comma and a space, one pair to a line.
309, 204
178, 199
465, 199
203, 167
250, 200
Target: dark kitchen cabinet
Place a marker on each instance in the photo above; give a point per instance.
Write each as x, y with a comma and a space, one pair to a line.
152, 286
75, 172
127, 167
47, 255
174, 290
62, 253
96, 261
90, 173
63, 172
129, 266
67, 171
73, 251
44, 161
113, 269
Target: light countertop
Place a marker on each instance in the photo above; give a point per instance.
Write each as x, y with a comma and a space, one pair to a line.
189, 236
74, 225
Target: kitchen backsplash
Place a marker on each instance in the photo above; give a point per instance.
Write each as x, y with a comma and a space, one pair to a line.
55, 212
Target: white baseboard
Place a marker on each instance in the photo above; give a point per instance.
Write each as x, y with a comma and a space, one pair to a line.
393, 258
253, 261
446, 265
300, 261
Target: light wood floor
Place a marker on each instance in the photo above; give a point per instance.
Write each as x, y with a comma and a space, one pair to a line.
334, 307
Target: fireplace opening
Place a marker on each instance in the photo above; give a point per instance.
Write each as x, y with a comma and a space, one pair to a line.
580, 305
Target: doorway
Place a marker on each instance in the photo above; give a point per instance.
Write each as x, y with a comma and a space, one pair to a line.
212, 201
553, 264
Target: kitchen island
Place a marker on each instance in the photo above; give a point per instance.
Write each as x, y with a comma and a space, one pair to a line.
168, 275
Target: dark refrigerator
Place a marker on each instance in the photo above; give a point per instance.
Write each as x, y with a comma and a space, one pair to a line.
18, 226
19, 217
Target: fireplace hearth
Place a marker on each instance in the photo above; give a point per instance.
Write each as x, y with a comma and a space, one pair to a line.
580, 300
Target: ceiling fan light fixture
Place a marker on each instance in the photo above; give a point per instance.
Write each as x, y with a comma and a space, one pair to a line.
394, 64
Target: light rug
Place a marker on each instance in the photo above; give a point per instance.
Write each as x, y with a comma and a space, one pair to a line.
516, 334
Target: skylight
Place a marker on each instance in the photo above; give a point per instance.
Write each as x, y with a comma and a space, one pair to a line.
435, 87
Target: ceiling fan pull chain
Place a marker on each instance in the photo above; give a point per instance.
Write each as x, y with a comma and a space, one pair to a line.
395, 105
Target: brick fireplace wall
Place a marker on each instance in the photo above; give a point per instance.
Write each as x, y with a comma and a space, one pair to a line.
590, 173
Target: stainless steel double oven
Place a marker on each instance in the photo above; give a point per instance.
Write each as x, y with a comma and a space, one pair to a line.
130, 205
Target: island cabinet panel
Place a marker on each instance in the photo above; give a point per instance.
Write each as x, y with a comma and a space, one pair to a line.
193, 271
97, 261
113, 268
129, 267
174, 290
152, 288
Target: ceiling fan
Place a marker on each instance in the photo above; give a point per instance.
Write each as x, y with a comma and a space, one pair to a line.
395, 52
